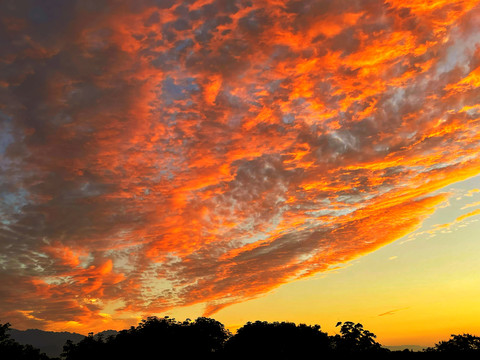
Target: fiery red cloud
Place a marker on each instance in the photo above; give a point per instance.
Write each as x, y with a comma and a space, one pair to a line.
159, 153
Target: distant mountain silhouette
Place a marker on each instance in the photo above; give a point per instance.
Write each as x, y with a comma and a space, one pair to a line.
49, 342
403, 347
106, 333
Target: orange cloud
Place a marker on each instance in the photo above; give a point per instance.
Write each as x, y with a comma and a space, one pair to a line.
163, 154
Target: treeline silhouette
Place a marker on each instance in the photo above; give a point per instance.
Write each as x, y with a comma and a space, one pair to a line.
165, 338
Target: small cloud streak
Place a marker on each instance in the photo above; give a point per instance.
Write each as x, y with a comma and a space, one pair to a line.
470, 214
392, 312
159, 154
475, 204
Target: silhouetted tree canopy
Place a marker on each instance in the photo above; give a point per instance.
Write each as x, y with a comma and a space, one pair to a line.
277, 339
465, 343
154, 338
354, 338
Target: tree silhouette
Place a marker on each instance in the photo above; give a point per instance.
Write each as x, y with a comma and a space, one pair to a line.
277, 340
465, 343
354, 338
154, 338
4, 336
207, 335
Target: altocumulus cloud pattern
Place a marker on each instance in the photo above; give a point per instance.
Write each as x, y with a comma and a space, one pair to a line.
160, 153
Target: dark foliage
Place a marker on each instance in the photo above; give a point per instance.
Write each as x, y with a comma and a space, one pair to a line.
157, 338
277, 340
10, 349
205, 338
354, 338
465, 343
152, 339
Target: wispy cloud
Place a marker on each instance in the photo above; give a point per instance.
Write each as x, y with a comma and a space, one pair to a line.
475, 204
392, 312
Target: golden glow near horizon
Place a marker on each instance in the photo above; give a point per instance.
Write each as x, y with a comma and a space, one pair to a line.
310, 161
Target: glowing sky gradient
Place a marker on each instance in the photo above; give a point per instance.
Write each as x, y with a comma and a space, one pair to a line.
156, 154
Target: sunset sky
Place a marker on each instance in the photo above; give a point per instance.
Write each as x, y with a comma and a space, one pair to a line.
309, 161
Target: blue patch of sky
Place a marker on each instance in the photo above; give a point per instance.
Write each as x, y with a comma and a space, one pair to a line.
11, 203
6, 137
12, 197
233, 100
273, 86
288, 118
183, 44
203, 33
175, 90
38, 15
